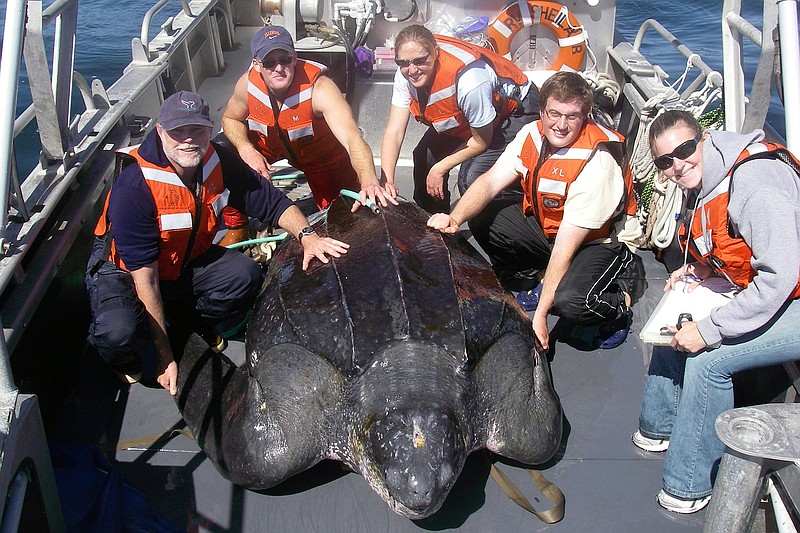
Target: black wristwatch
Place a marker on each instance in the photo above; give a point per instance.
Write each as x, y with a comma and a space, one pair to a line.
308, 230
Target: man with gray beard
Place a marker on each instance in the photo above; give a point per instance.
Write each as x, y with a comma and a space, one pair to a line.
153, 256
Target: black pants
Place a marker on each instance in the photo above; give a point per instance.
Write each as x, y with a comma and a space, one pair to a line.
516, 244
215, 291
433, 147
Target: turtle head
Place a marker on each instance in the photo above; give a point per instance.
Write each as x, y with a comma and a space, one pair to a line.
415, 458
410, 437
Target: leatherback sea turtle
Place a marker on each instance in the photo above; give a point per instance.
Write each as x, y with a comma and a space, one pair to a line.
398, 359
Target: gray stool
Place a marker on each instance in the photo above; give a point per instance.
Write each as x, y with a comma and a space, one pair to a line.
759, 440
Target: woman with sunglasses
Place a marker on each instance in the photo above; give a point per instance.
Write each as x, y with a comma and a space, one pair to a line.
744, 225
473, 101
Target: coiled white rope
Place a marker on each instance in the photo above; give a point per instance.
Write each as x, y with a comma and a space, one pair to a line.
660, 213
682, 78
661, 210
665, 209
603, 85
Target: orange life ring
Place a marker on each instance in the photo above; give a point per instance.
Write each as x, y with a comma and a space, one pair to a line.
571, 35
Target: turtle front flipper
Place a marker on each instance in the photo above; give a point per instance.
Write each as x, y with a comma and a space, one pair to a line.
518, 413
262, 428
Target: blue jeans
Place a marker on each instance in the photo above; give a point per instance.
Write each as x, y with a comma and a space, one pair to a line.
685, 394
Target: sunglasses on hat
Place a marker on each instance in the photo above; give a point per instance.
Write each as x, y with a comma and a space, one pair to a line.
682, 151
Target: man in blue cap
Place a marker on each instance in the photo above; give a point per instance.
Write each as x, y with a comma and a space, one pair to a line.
153, 254
285, 107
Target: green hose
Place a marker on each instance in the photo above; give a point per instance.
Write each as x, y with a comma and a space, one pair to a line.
290, 176
354, 195
344, 192
713, 119
273, 238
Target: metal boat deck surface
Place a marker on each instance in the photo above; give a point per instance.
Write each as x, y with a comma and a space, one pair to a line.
609, 485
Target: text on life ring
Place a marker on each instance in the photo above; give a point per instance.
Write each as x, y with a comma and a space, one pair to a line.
570, 34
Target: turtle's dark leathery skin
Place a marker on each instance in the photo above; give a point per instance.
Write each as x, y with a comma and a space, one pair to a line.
399, 359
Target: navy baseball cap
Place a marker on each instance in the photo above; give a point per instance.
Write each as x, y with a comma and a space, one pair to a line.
271, 38
183, 109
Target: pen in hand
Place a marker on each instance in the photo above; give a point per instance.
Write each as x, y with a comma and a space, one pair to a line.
688, 280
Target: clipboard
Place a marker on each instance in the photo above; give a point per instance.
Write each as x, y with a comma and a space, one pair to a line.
710, 293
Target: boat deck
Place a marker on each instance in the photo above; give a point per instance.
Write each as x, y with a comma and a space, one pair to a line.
609, 485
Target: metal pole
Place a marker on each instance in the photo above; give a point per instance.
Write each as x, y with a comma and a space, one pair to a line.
12, 515
148, 17
63, 67
736, 493
7, 385
9, 75
732, 66
790, 59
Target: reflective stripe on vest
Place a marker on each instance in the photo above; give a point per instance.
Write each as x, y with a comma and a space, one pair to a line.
254, 125
175, 209
545, 199
441, 110
304, 139
299, 133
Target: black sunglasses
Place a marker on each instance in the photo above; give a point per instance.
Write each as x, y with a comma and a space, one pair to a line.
272, 63
682, 151
417, 61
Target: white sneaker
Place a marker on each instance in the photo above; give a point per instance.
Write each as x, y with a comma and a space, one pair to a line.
649, 445
681, 505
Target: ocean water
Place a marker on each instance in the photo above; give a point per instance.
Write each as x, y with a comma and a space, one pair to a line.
106, 27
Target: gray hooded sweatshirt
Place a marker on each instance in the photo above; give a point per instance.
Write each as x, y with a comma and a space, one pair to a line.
764, 209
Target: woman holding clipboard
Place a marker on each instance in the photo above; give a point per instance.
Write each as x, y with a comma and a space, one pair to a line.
743, 196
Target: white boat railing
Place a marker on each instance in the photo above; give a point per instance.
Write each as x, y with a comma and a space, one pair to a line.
29, 203
790, 70
44, 210
745, 112
51, 95
705, 71
9, 76
217, 17
648, 89
148, 18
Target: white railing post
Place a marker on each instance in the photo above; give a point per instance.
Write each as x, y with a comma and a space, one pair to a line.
790, 59
9, 76
733, 71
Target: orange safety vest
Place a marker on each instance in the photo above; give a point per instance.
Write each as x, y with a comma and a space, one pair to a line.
183, 237
301, 137
546, 182
726, 253
441, 110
